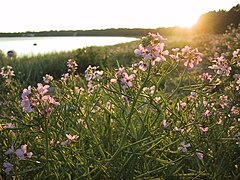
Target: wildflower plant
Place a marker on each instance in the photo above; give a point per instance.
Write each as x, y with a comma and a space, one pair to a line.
150, 119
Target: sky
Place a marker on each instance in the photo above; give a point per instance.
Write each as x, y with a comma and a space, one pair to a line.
45, 15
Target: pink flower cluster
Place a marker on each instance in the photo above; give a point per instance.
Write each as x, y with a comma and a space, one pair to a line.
236, 53
7, 72
9, 126
153, 50
65, 77
70, 138
224, 101
192, 56
92, 74
38, 100
181, 106
237, 81
21, 153
124, 78
72, 65
206, 77
47, 78
221, 66
141, 65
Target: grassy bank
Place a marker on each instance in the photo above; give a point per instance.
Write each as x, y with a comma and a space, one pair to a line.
31, 69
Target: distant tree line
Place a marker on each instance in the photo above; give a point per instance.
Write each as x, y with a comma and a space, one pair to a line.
216, 22
126, 32
211, 22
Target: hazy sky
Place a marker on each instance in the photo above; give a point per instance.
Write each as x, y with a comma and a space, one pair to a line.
39, 15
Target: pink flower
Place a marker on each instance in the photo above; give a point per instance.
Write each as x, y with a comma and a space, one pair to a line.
26, 92
199, 155
10, 150
203, 129
142, 66
140, 51
113, 81
185, 50
235, 53
22, 153
160, 53
29, 155
72, 65
175, 50
26, 104
184, 147
221, 66
206, 76
8, 167
197, 56
189, 63
48, 103
42, 89
47, 78
9, 126
119, 72
26, 99
65, 77
52, 101
70, 137
182, 104
152, 89
175, 57
64, 143
152, 50
235, 111
127, 80
31, 101
157, 36
192, 57
164, 123
206, 113
7, 72
176, 129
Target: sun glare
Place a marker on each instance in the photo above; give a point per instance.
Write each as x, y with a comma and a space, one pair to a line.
188, 22
186, 17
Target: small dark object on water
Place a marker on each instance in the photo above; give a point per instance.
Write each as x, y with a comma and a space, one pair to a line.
11, 54
35, 44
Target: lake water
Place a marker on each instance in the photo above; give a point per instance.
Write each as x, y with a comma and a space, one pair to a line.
36, 45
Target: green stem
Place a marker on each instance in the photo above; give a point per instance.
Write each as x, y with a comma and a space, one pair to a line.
128, 123
131, 111
180, 81
46, 130
87, 116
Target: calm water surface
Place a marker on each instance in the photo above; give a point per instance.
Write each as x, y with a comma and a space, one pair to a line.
36, 45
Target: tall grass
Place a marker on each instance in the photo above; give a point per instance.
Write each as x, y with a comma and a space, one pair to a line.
155, 117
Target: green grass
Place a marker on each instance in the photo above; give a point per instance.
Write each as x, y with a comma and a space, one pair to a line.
136, 128
31, 69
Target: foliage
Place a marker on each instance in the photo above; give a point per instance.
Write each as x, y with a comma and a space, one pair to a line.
125, 32
154, 118
216, 22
